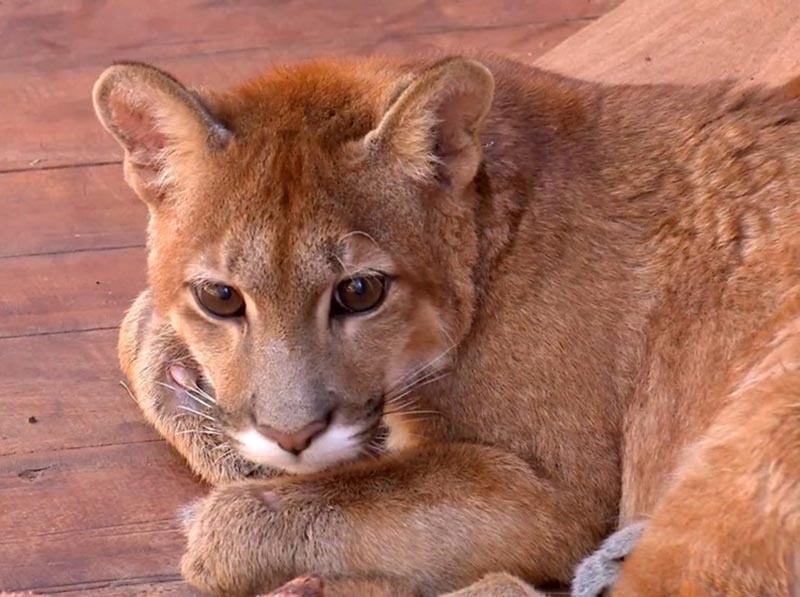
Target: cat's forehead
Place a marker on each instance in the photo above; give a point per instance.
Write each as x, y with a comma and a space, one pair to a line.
274, 255
298, 257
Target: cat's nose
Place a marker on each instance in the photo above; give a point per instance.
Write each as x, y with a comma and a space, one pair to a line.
299, 440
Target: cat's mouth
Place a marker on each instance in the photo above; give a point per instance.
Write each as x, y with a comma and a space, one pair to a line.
341, 441
338, 444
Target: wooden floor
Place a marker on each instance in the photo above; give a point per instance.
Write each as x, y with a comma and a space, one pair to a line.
88, 492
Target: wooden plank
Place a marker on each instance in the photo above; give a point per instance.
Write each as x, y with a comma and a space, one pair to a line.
62, 392
69, 209
128, 588
71, 518
50, 107
67, 292
123, 588
74, 32
686, 41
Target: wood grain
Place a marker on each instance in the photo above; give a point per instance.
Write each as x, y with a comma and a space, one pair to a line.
69, 209
68, 292
74, 32
51, 104
82, 517
86, 485
62, 392
128, 588
686, 41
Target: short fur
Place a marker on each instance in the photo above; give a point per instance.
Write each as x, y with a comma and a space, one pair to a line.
594, 304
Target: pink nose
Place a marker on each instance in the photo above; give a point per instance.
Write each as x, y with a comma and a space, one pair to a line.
299, 440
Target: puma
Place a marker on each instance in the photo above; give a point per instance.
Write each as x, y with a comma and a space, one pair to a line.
479, 315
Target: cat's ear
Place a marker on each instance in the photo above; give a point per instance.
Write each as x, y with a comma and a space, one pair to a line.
158, 122
432, 127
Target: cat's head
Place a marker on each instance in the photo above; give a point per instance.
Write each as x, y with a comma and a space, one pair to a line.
312, 239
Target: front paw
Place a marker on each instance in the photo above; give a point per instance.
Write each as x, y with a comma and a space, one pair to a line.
228, 535
252, 537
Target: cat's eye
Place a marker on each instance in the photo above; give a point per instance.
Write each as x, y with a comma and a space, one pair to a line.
359, 294
220, 300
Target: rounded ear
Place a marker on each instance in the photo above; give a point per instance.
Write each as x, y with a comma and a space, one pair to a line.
158, 122
432, 128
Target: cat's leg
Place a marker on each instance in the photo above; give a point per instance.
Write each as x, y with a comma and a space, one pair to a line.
316, 586
730, 522
441, 516
497, 584
162, 379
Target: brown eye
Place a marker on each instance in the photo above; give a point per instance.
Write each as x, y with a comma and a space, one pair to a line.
360, 294
220, 300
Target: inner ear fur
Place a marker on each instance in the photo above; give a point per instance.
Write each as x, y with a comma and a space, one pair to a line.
432, 128
157, 121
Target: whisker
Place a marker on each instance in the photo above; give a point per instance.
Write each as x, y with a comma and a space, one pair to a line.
399, 397
410, 385
128, 390
205, 395
407, 381
440, 356
195, 392
189, 391
199, 400
393, 400
374, 449
359, 233
167, 385
414, 419
225, 456
411, 378
197, 432
413, 412
196, 412
410, 403
347, 271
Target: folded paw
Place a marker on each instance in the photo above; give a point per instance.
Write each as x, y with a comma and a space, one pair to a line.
226, 534
251, 537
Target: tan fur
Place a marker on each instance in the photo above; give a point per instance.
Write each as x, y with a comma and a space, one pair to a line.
315, 586
608, 277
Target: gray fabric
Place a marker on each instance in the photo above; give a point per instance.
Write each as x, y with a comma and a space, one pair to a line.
598, 573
